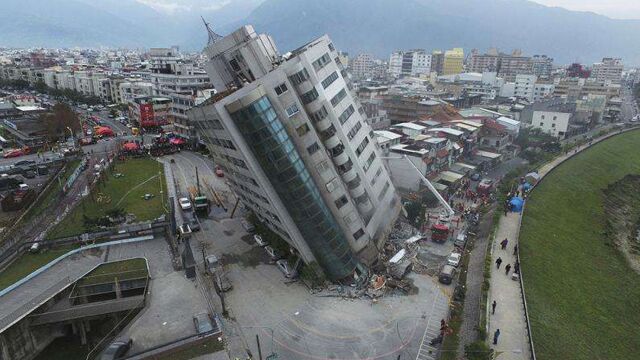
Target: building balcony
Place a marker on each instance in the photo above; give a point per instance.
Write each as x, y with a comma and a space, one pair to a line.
332, 142
345, 168
323, 124
354, 183
349, 175
341, 159
357, 191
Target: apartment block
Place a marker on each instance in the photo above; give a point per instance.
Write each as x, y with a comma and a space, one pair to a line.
296, 149
410, 63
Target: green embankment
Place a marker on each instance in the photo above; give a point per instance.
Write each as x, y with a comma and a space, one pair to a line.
584, 299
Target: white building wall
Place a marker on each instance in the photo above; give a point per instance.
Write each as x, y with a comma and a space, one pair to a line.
551, 122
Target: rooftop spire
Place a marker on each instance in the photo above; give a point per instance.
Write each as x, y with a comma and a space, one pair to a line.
213, 36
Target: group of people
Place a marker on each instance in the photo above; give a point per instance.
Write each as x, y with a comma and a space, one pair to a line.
507, 269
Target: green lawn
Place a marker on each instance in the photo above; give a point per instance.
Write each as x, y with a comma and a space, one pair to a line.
26, 264
124, 270
584, 299
210, 346
141, 176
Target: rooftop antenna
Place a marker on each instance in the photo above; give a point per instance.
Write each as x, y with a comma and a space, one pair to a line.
213, 36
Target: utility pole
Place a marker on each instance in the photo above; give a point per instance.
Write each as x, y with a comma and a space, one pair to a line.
198, 181
259, 350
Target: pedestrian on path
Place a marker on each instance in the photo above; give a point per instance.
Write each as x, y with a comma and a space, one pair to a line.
493, 307
504, 243
515, 250
498, 262
495, 336
507, 269
516, 267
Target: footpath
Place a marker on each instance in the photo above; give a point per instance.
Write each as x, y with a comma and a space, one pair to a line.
510, 317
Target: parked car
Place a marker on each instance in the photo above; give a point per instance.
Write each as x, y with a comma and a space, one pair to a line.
273, 253
13, 153
185, 203
116, 350
29, 174
24, 163
205, 324
475, 177
454, 259
194, 223
460, 240
446, 274
286, 269
247, 226
258, 239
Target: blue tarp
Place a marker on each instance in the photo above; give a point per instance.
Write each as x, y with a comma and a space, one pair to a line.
516, 204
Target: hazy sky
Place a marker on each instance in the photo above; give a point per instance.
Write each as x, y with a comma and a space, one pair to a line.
620, 9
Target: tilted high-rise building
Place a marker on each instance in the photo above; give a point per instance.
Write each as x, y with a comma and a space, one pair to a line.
296, 150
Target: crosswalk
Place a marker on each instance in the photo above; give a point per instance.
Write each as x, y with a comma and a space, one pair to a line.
439, 310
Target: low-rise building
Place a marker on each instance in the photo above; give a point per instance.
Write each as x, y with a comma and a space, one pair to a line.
150, 112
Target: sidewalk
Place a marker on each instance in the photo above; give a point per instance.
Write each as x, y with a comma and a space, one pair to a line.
510, 315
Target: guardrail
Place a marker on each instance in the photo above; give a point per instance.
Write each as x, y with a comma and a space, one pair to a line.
543, 176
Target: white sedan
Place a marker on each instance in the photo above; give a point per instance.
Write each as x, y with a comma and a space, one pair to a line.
454, 259
185, 204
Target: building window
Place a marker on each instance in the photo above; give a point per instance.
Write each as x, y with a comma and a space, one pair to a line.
358, 234
553, 125
346, 114
555, 118
354, 130
362, 146
329, 80
299, 77
281, 89
375, 177
313, 148
338, 97
384, 191
342, 201
322, 61
320, 114
309, 96
367, 164
331, 47
292, 110
302, 130
542, 117
541, 124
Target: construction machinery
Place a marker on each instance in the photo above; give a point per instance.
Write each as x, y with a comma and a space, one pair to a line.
198, 199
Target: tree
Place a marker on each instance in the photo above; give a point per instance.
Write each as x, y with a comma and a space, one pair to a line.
59, 121
113, 112
478, 351
415, 213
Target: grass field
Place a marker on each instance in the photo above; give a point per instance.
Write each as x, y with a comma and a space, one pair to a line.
141, 176
584, 299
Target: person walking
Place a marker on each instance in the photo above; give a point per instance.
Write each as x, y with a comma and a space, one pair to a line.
495, 336
515, 250
516, 267
504, 243
498, 262
493, 307
507, 269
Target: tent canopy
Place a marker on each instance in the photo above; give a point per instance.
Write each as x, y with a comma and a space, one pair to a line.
516, 204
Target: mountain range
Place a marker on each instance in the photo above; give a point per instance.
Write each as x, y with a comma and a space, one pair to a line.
373, 26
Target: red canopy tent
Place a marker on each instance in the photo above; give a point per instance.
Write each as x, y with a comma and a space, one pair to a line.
104, 131
130, 146
177, 141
